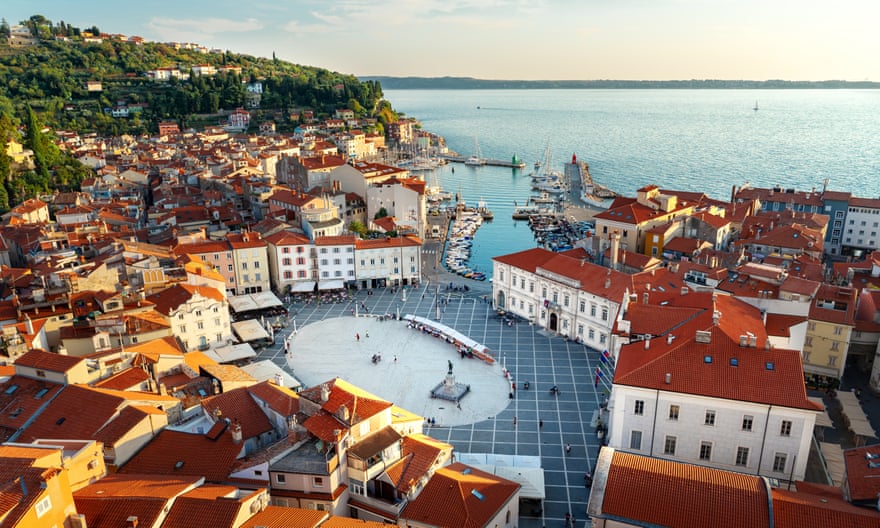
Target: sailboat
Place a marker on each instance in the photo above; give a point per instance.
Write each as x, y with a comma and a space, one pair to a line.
475, 160
756, 106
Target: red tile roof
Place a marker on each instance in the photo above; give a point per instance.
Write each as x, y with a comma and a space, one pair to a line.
64, 416
684, 359
648, 491
459, 496
22, 403
49, 361
170, 299
280, 399
281, 517
208, 505
419, 453
173, 453
113, 499
130, 378
798, 509
238, 405
862, 479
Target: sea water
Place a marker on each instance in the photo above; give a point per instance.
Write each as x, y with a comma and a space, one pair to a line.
690, 140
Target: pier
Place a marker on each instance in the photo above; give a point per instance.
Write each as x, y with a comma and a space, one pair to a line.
582, 184
514, 163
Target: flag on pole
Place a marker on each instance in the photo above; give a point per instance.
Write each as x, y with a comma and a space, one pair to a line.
604, 357
598, 375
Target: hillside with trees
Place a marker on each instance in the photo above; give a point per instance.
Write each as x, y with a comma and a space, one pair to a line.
68, 78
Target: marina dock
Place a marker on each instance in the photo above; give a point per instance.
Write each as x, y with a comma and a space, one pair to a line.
514, 163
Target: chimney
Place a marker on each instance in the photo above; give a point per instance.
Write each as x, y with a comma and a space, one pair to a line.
131, 522
645, 298
77, 520
615, 247
325, 392
716, 316
684, 290
29, 325
236, 432
607, 283
743, 340
279, 379
753, 341
669, 339
647, 343
668, 378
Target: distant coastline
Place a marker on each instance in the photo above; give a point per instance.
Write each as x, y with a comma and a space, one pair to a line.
470, 83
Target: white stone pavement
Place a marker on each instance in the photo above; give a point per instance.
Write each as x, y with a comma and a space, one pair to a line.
327, 349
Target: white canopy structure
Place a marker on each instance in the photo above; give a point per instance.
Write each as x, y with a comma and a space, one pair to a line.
524, 470
250, 330
855, 416
254, 301
450, 332
302, 287
269, 370
331, 284
231, 353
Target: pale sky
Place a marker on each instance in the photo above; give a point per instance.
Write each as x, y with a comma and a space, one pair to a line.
512, 39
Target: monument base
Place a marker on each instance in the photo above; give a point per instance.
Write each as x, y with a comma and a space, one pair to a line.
454, 392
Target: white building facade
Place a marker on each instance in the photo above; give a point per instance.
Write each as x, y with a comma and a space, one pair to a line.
760, 439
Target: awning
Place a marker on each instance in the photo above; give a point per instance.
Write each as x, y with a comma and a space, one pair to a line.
231, 353
300, 287
822, 419
524, 470
254, 301
266, 299
852, 409
331, 285
268, 370
447, 331
249, 330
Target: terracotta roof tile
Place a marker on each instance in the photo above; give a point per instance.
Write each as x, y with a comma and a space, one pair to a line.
862, 479
173, 453
772, 376
113, 499
21, 399
208, 505
281, 517
238, 405
64, 416
459, 496
40, 359
419, 453
798, 509
130, 378
651, 491
280, 399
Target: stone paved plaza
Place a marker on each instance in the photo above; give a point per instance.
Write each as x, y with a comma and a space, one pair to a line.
325, 346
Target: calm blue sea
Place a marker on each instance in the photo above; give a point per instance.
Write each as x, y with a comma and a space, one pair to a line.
694, 140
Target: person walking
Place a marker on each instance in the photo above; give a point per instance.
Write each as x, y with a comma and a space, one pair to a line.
367, 334
357, 337
567, 449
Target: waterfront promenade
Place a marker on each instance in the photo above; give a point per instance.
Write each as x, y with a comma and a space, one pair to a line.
325, 346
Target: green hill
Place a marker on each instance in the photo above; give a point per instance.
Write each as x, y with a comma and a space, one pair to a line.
69, 78
51, 77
